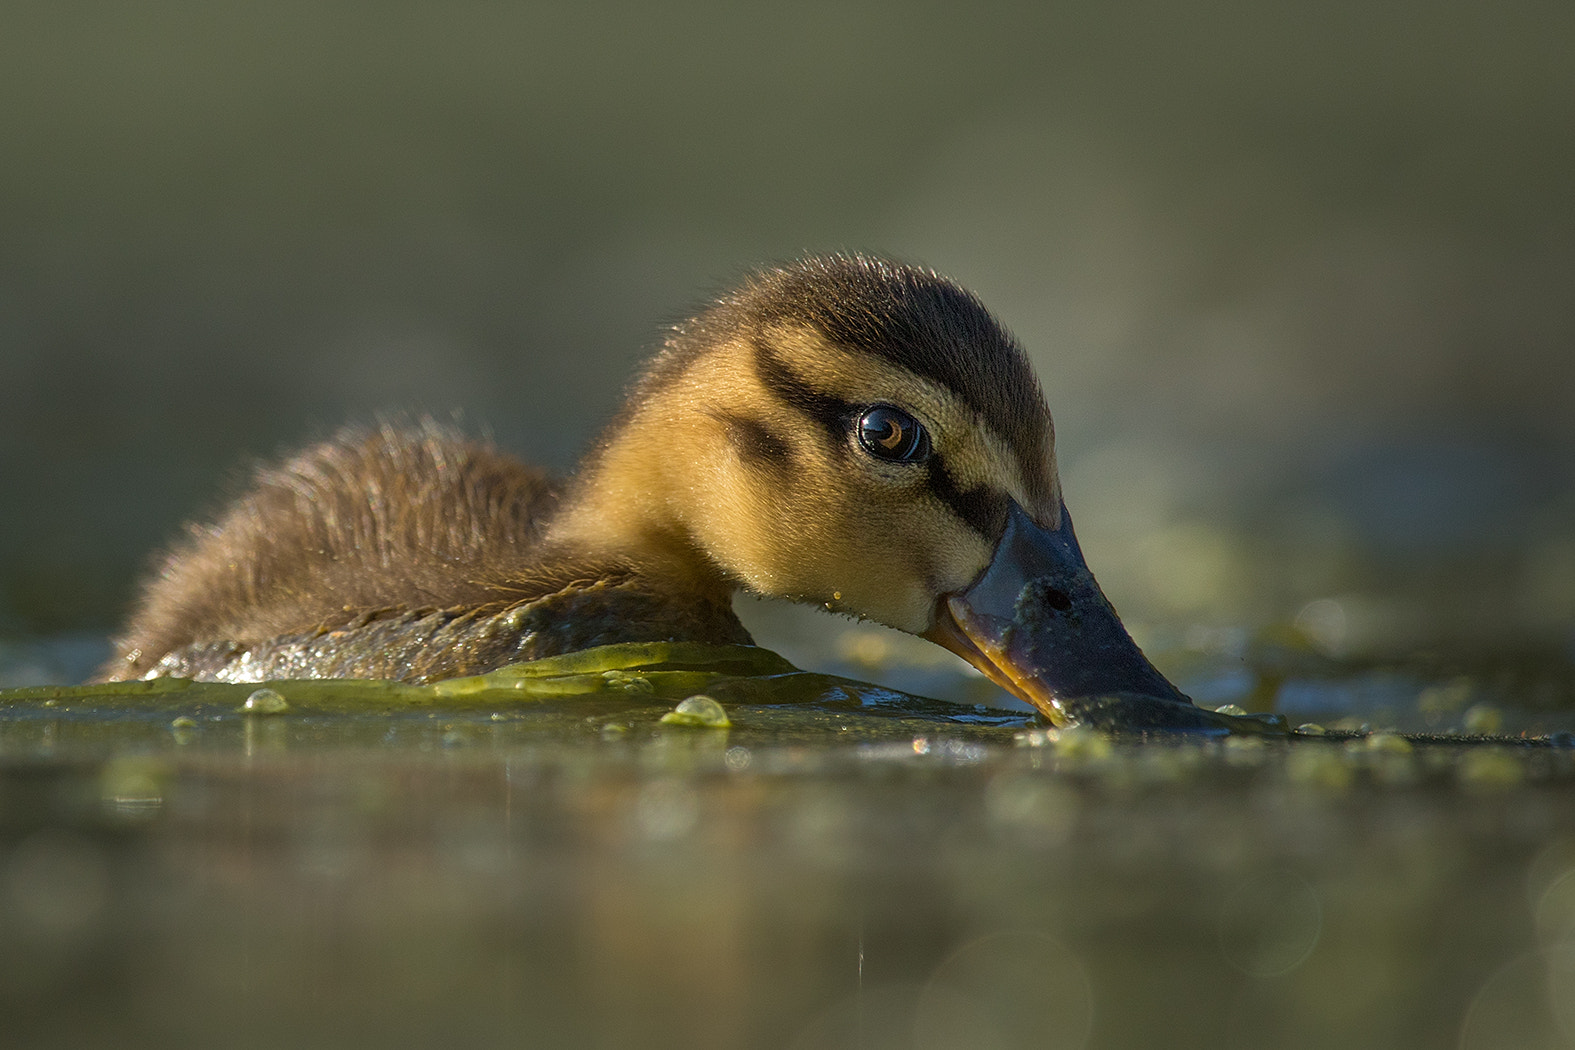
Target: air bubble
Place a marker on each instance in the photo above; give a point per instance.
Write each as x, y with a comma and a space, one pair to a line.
699, 710
265, 702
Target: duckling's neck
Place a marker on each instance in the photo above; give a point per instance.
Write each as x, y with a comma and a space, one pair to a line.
622, 509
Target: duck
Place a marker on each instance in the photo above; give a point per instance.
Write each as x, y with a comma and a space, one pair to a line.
844, 431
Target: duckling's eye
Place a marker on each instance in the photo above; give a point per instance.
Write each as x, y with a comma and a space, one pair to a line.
891, 434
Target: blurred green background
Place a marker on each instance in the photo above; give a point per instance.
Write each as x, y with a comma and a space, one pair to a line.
1299, 278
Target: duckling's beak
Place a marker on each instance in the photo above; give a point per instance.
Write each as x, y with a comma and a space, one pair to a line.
1037, 624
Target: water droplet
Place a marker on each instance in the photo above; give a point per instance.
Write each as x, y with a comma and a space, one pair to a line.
133, 786
699, 710
265, 702
184, 729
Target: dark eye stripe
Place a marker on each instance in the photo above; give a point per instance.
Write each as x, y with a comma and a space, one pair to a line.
983, 509
755, 442
831, 413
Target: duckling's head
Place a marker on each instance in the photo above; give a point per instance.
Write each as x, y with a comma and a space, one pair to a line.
863, 435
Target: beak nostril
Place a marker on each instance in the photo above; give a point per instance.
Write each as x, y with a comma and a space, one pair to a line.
1058, 600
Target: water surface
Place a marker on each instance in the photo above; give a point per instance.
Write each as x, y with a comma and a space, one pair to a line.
842, 866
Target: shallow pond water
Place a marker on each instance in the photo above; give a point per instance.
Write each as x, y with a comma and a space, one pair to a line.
477, 863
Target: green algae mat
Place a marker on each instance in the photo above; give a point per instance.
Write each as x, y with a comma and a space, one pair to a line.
680, 847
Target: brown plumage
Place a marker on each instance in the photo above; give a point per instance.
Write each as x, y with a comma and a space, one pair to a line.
395, 552
844, 431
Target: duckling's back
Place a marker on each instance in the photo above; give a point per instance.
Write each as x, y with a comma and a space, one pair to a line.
396, 522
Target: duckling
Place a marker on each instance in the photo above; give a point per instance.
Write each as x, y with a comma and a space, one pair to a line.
843, 431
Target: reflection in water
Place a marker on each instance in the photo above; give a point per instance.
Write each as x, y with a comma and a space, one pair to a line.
56, 885
665, 809
1039, 812
1555, 911
880, 1017
1006, 991
1270, 924
1515, 1008
1560, 963
863, 870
